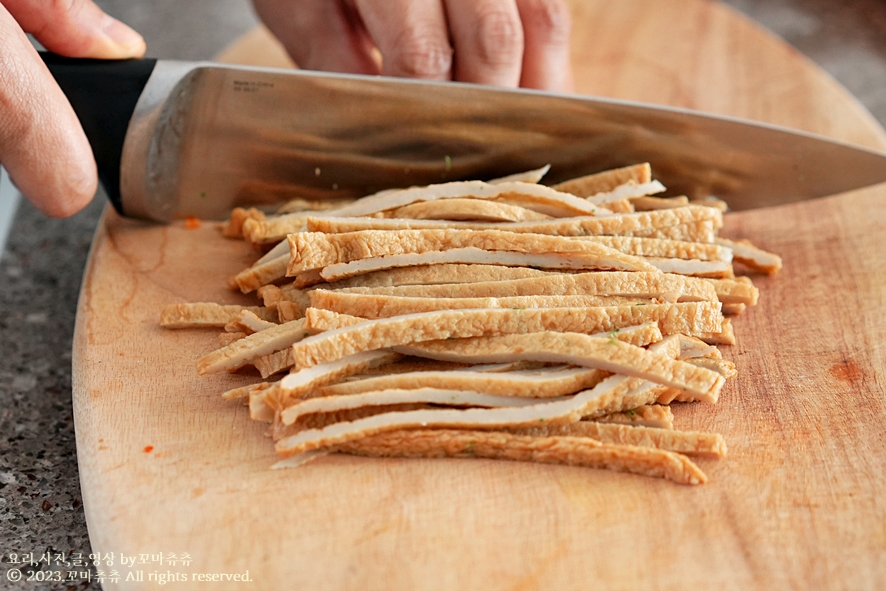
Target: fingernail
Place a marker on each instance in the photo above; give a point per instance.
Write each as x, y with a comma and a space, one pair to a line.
127, 38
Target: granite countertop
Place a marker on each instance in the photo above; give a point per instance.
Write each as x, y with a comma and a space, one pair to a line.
41, 268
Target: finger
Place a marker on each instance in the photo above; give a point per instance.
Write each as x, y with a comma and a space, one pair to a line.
41, 143
488, 40
411, 36
321, 34
76, 28
547, 26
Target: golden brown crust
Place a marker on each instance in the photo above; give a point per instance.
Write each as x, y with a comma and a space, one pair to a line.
704, 230
724, 336
675, 288
588, 185
254, 277
565, 411
239, 216
649, 415
288, 311
248, 322
314, 250
565, 450
739, 290
466, 209
538, 385
245, 391
531, 195
629, 224
733, 309
434, 275
528, 176
721, 366
431, 395
665, 248
226, 338
571, 348
582, 350
299, 383
385, 306
207, 314
695, 443
649, 203
561, 262
273, 229
753, 257
690, 318
243, 351
270, 295
276, 362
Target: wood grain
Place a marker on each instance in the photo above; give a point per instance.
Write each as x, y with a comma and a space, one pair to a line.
797, 504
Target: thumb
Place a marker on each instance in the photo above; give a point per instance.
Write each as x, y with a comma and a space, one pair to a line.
76, 28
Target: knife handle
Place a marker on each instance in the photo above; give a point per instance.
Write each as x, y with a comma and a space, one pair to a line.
103, 93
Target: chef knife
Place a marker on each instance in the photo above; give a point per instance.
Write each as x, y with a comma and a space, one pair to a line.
174, 139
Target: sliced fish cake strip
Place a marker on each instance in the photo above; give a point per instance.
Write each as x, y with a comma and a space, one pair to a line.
558, 261
531, 195
384, 306
563, 450
694, 443
669, 287
466, 209
688, 318
648, 415
560, 411
314, 250
335, 403
242, 351
624, 224
549, 384
207, 315
600, 182
582, 350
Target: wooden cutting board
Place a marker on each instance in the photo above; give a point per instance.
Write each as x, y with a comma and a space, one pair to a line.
798, 503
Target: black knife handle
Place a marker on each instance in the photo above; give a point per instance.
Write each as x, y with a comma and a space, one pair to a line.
104, 94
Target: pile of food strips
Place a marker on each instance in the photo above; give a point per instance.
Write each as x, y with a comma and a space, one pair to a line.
501, 319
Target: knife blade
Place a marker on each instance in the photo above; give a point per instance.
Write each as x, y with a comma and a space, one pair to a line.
174, 139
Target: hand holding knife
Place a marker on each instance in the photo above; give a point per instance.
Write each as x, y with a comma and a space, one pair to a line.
503, 42
41, 143
174, 139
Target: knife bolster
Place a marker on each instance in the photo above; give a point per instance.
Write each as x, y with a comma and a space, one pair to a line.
103, 93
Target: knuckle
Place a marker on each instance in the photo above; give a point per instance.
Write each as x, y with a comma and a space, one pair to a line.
62, 10
422, 54
550, 20
57, 24
499, 38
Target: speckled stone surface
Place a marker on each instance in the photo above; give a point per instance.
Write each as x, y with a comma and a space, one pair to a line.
40, 271
40, 506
